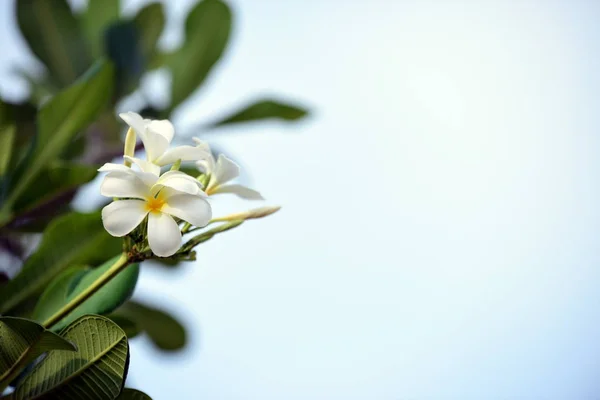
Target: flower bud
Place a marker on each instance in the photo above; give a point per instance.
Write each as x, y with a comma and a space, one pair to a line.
129, 145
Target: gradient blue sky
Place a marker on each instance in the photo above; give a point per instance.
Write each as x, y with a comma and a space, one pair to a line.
439, 236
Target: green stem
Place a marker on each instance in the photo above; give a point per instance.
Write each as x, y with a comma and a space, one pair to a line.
102, 280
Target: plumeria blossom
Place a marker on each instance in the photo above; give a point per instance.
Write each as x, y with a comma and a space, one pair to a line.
220, 172
161, 198
157, 136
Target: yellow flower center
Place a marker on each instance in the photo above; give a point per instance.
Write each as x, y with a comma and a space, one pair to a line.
154, 205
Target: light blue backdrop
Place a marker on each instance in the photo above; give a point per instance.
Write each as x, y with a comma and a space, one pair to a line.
440, 225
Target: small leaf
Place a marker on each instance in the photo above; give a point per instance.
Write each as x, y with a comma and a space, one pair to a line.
163, 330
98, 15
53, 34
263, 109
7, 138
72, 239
70, 284
207, 30
97, 370
150, 22
22, 342
61, 118
133, 394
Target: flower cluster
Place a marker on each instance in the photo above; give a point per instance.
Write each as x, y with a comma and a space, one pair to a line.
145, 196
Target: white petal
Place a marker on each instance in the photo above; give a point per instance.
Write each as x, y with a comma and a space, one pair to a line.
201, 144
183, 153
179, 181
111, 167
123, 185
164, 236
163, 127
121, 217
241, 191
207, 165
145, 166
135, 121
225, 170
155, 144
190, 208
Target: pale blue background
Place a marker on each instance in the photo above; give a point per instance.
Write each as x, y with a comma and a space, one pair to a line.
441, 208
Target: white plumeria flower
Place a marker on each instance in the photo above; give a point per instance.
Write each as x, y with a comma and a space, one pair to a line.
173, 194
220, 172
157, 136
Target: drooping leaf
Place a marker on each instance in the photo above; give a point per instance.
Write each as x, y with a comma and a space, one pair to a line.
165, 332
97, 370
72, 239
55, 179
128, 325
22, 341
70, 284
150, 22
53, 34
133, 394
98, 15
261, 110
61, 118
207, 30
121, 44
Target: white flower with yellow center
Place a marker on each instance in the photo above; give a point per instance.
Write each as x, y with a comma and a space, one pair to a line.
220, 172
157, 136
173, 194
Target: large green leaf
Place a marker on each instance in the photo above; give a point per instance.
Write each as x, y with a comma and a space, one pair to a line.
207, 30
163, 330
53, 34
150, 22
72, 239
61, 118
73, 281
97, 370
121, 44
22, 341
57, 178
133, 394
94, 21
261, 110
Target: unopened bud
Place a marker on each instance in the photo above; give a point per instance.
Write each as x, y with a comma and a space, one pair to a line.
129, 145
250, 214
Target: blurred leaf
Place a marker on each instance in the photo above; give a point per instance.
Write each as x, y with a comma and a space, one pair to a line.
22, 342
97, 370
61, 118
207, 29
105, 300
57, 178
128, 325
7, 138
98, 15
70, 239
121, 43
53, 34
150, 22
263, 109
133, 394
40, 88
22, 115
164, 330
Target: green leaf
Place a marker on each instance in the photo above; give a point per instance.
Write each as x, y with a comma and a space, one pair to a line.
150, 22
7, 138
263, 109
121, 44
54, 180
163, 330
53, 34
72, 239
128, 325
72, 282
61, 118
133, 394
94, 21
22, 342
97, 370
207, 30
